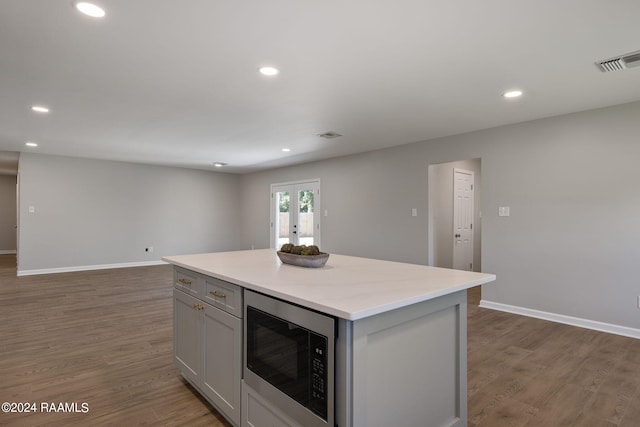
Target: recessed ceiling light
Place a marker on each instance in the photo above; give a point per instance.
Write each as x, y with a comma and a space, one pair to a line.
39, 109
90, 9
31, 144
286, 150
512, 94
219, 164
269, 71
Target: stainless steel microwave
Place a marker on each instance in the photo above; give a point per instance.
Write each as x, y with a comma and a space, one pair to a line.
289, 358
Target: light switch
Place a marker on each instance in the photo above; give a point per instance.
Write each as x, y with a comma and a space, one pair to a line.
414, 212
32, 209
503, 211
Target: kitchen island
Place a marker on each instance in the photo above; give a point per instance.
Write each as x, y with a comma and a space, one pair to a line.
400, 351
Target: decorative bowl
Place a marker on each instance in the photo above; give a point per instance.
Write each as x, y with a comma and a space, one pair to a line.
309, 261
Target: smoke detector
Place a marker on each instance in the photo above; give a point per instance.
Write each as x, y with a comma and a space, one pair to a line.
620, 62
329, 135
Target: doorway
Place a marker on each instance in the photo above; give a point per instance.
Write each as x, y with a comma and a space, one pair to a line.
295, 217
442, 227
8, 214
9, 207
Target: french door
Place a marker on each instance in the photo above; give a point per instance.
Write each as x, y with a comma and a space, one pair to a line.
295, 213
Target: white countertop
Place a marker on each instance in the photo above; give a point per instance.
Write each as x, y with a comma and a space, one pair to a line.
347, 287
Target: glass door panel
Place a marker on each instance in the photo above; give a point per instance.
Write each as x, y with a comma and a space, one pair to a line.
283, 218
305, 224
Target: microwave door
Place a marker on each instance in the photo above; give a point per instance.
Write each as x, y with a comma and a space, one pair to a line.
277, 351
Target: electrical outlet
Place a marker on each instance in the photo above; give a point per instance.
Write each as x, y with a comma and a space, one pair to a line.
149, 249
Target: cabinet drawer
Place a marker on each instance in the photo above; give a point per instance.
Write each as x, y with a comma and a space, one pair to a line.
224, 295
188, 281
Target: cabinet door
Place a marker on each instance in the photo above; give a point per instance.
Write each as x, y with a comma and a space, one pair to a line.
222, 361
257, 412
187, 335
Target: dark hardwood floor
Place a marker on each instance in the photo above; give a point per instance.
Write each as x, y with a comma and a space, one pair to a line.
535, 373
105, 338
102, 337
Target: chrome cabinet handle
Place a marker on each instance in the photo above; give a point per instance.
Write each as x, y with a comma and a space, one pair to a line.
218, 294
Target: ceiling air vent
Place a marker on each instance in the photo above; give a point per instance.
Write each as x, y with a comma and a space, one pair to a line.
620, 62
329, 135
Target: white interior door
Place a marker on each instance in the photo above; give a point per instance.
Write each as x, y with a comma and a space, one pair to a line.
295, 217
462, 219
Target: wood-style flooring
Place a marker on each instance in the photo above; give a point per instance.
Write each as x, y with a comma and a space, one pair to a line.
535, 373
102, 337
105, 338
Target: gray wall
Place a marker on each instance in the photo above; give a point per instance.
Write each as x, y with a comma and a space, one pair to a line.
7, 213
369, 204
441, 200
93, 212
570, 244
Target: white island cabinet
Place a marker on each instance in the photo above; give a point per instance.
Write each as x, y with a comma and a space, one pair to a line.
400, 351
208, 338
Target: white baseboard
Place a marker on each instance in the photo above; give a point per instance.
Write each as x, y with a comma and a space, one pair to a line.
7, 252
88, 267
561, 318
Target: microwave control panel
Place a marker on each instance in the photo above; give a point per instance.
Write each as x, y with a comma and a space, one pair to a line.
318, 360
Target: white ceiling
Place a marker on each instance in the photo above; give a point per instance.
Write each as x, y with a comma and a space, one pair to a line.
176, 82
